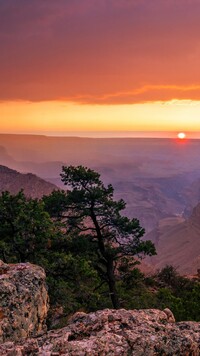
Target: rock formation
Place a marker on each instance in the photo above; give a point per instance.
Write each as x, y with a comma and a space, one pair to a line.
115, 332
23, 301
23, 310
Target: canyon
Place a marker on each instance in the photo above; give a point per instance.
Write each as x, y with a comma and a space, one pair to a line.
159, 179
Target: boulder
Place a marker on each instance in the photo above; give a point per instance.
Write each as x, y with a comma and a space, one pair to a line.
23, 301
115, 332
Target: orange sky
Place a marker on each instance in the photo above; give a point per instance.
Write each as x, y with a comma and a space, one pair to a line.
90, 65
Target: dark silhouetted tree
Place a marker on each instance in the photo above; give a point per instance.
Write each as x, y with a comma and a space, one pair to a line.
91, 211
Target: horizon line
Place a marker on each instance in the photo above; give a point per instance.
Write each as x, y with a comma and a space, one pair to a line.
109, 134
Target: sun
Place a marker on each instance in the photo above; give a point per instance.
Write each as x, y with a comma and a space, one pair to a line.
181, 135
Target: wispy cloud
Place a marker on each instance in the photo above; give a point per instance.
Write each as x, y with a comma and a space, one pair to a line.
147, 93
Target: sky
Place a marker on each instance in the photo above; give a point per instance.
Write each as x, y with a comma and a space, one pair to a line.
109, 67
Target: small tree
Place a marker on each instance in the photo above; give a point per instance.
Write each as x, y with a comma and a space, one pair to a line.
94, 214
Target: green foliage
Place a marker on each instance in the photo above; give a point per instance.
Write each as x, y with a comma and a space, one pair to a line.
55, 204
25, 228
166, 289
71, 282
180, 294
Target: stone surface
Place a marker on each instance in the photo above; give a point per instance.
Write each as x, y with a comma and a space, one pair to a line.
23, 301
23, 311
113, 333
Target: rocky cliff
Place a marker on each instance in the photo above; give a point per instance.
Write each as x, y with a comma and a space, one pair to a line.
23, 301
24, 304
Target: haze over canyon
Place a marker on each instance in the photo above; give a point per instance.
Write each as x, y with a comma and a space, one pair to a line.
159, 179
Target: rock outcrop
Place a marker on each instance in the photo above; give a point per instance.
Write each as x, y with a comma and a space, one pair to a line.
23, 301
23, 311
115, 332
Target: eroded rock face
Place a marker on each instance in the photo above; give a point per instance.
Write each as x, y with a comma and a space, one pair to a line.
113, 333
23, 301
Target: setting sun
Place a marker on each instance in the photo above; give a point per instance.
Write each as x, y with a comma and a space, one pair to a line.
181, 135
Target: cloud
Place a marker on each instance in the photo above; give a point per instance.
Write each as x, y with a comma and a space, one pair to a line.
115, 51
145, 94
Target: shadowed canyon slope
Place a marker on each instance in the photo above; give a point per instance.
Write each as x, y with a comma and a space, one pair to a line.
158, 178
32, 185
178, 243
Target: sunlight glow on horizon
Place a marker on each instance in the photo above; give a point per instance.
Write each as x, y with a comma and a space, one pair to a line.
61, 118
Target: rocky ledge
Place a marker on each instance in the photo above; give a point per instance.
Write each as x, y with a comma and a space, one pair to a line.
115, 332
23, 311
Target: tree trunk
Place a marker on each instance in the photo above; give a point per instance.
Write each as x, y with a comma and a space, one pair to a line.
112, 285
108, 263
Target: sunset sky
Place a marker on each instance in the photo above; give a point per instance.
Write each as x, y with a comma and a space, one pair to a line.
100, 67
